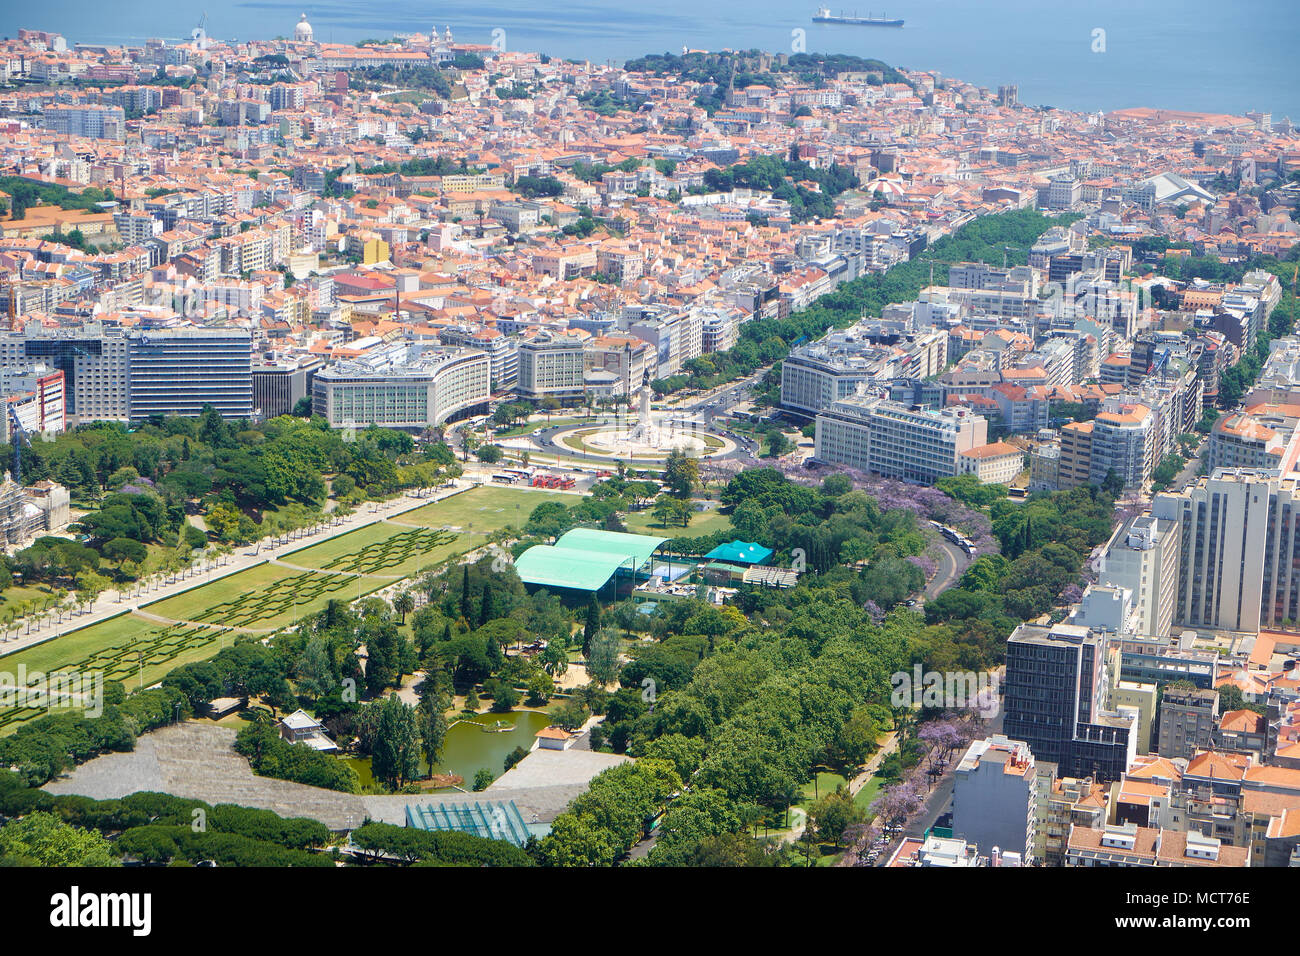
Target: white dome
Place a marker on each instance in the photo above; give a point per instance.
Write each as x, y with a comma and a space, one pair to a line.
302, 32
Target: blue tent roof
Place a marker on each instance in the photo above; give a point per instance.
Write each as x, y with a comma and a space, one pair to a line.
740, 552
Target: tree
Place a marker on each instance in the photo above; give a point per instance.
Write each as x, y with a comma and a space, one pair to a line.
834, 813
42, 839
592, 624
431, 720
394, 756
681, 473
403, 604
482, 779
602, 656
121, 550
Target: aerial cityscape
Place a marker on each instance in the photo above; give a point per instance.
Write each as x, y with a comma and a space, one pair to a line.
419, 450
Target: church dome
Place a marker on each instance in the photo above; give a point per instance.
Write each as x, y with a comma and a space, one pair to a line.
302, 32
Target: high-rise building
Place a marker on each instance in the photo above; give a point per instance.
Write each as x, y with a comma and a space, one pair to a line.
551, 365
180, 371
1142, 556
91, 357
1055, 691
1233, 527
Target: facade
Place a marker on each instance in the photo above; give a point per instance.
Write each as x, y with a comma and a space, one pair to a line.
179, 371
1189, 717
895, 440
403, 386
1055, 691
994, 797
551, 366
1143, 556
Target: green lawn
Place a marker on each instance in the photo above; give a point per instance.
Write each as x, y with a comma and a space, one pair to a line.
530, 427
483, 509
115, 649
644, 522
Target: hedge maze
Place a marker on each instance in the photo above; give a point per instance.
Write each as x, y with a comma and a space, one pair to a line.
250, 607
118, 662
392, 552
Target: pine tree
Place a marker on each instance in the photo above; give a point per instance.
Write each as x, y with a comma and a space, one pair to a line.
592, 624
465, 606
487, 610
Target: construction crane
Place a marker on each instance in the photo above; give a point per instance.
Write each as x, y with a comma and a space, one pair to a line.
11, 300
17, 434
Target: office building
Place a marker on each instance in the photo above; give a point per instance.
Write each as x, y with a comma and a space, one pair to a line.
551, 366
181, 371
1055, 691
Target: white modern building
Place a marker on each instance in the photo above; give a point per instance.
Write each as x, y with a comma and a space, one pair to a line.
994, 797
896, 440
403, 386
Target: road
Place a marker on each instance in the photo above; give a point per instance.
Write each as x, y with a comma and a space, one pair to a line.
937, 803
952, 563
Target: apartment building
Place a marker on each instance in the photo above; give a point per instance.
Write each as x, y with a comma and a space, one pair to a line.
1263, 436
1123, 441
994, 797
1143, 556
1189, 717
1075, 459
1128, 844
1064, 803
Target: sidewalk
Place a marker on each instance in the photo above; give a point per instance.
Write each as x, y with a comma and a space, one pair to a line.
245, 557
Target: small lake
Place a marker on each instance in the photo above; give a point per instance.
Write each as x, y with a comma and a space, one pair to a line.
475, 742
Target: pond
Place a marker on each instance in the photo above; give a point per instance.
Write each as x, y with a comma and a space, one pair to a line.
480, 741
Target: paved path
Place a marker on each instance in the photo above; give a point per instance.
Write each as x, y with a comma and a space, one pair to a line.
245, 557
871, 766
356, 574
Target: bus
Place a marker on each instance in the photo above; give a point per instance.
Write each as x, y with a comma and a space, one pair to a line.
505, 477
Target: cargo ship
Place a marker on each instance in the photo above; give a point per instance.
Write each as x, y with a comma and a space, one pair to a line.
825, 16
